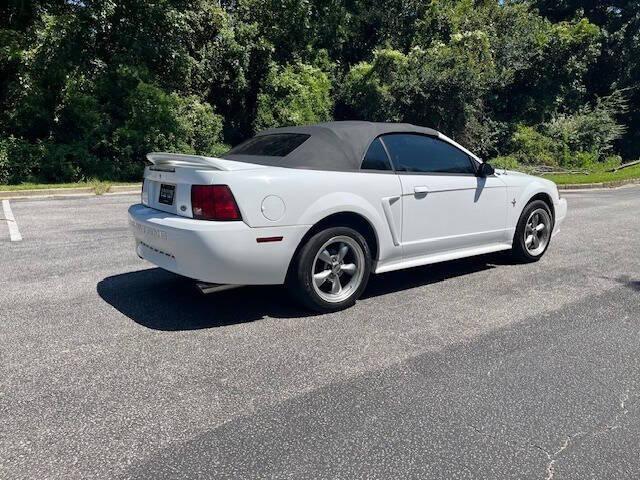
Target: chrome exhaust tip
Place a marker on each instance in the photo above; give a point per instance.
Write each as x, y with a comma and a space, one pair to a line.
207, 288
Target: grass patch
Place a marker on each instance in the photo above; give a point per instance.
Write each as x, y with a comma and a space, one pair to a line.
597, 177
98, 186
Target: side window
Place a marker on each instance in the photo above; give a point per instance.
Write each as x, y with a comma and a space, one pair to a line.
376, 157
423, 154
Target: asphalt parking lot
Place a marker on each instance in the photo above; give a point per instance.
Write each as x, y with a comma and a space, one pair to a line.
111, 368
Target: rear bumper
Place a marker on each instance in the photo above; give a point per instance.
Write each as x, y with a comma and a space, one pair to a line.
560, 213
214, 252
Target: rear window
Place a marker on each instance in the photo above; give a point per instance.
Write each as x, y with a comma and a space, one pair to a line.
275, 145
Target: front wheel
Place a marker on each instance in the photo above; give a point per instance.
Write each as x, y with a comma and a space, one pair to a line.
533, 232
331, 270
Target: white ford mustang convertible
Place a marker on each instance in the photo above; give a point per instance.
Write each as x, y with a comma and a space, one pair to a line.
321, 207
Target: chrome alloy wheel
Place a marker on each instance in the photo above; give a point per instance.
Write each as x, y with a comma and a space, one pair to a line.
338, 269
537, 232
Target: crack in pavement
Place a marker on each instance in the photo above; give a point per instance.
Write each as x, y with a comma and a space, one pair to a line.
552, 457
606, 425
610, 423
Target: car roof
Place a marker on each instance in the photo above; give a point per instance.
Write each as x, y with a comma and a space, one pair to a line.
335, 146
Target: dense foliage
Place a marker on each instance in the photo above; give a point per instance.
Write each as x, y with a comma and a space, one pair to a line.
88, 87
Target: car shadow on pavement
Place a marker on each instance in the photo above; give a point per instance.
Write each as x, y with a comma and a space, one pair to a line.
161, 300
428, 274
627, 282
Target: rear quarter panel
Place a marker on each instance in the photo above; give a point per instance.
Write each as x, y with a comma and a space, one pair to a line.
312, 195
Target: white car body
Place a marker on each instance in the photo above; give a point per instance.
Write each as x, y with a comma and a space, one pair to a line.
418, 219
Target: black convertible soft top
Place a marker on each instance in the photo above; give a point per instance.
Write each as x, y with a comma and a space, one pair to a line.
336, 146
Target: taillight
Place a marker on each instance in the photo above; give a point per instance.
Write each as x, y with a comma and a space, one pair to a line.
214, 202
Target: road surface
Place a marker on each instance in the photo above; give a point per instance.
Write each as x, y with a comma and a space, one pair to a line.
110, 368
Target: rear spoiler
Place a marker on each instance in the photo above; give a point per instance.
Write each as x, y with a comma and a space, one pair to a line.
163, 159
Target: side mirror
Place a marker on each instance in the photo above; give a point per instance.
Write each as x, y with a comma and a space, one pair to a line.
485, 170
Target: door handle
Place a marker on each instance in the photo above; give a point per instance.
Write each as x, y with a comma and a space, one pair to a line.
421, 189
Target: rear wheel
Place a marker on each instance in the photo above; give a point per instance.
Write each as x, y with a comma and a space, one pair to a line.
331, 270
533, 232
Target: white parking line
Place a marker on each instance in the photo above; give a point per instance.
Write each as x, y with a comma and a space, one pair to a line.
14, 232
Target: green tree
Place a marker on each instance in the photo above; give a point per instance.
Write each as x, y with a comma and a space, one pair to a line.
157, 121
441, 86
294, 95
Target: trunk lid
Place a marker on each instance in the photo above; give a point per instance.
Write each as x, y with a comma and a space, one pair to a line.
168, 180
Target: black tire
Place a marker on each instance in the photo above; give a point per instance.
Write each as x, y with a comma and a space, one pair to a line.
519, 250
300, 281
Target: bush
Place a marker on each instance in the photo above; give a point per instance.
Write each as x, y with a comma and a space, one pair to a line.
592, 128
157, 121
82, 146
580, 140
531, 147
294, 95
4, 163
219, 149
23, 160
440, 86
507, 162
99, 187
199, 126
609, 163
370, 90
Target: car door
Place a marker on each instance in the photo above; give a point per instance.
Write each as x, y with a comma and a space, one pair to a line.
445, 206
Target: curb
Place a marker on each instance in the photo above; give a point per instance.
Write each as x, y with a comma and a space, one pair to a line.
66, 192
125, 189
601, 185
